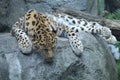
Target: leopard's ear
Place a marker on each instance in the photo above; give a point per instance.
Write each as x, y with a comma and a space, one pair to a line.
31, 10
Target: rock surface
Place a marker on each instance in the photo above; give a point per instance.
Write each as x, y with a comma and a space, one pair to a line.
96, 62
12, 10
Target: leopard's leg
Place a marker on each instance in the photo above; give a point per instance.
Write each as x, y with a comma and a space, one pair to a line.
75, 43
24, 43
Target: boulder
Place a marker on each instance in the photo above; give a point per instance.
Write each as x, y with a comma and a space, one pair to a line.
12, 10
96, 62
4, 6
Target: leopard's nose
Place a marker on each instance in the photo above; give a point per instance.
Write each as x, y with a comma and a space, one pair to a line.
49, 60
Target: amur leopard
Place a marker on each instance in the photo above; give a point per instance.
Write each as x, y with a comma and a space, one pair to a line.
39, 31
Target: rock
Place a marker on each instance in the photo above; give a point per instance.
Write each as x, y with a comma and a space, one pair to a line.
96, 62
4, 9
4, 6
12, 10
76, 4
4, 74
42, 7
3, 28
17, 10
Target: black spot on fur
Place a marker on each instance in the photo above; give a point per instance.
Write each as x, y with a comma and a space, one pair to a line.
28, 14
38, 32
73, 28
76, 30
40, 13
89, 29
73, 21
67, 20
17, 38
73, 34
27, 18
30, 11
47, 29
19, 30
97, 31
44, 16
16, 23
33, 23
59, 28
34, 35
62, 16
37, 28
82, 28
55, 31
42, 32
78, 22
26, 30
37, 23
92, 30
27, 23
94, 24
85, 23
70, 17
35, 16
25, 38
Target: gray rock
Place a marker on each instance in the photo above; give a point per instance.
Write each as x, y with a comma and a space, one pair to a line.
4, 9
4, 6
96, 62
4, 74
77, 5
12, 10
40, 7
15, 10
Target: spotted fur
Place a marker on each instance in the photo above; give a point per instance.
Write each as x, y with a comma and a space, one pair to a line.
41, 31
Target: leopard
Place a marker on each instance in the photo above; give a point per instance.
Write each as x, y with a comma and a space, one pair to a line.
35, 31
30, 30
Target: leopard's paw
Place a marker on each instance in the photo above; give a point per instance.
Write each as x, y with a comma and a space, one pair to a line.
25, 47
78, 50
24, 42
77, 47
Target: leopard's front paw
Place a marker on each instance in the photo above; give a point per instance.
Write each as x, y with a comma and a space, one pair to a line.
25, 48
78, 50
77, 47
24, 44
